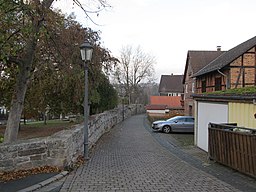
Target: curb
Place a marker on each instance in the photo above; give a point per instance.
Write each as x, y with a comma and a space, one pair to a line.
45, 182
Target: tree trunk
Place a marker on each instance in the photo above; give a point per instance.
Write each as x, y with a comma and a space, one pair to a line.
23, 77
45, 117
12, 127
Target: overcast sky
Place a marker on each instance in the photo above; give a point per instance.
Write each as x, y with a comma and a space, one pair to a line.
167, 29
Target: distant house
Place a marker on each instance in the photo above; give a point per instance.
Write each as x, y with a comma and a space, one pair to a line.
195, 61
165, 105
157, 110
232, 69
171, 102
171, 85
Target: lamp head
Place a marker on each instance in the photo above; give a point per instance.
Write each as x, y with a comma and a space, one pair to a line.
86, 51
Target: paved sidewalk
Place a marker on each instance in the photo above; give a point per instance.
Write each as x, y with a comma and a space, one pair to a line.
20, 184
128, 158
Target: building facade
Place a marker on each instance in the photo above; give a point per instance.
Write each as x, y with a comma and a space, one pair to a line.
233, 69
171, 85
195, 61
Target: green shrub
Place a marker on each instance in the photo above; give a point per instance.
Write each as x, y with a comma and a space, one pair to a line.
1, 139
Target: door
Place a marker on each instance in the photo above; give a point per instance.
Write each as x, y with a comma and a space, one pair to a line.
209, 112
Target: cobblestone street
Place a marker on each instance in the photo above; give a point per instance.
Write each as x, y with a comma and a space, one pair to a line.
128, 158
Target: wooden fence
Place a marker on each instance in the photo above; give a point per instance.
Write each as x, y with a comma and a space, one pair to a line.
234, 147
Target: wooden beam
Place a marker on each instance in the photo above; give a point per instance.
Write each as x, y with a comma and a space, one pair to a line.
255, 66
243, 77
238, 78
246, 67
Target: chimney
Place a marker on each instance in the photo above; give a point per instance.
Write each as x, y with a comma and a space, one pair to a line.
218, 48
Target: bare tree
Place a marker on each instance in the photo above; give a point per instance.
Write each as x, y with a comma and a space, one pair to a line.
135, 67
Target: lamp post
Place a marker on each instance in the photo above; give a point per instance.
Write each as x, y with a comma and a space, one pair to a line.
123, 94
86, 54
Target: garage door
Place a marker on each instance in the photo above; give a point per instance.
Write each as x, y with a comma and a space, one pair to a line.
209, 112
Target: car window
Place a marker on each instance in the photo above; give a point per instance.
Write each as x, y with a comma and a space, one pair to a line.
180, 120
189, 119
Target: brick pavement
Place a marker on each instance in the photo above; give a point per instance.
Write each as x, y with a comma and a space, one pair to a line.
128, 158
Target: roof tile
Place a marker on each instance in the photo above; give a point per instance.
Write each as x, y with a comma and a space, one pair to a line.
227, 57
171, 102
171, 83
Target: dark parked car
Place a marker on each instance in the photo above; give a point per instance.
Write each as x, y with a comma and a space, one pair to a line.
175, 124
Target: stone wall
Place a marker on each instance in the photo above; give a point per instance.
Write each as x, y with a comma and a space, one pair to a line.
62, 148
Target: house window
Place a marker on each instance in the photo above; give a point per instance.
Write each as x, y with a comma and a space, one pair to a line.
190, 110
203, 86
217, 83
172, 94
193, 87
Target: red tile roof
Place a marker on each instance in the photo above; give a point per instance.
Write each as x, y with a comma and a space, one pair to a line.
170, 101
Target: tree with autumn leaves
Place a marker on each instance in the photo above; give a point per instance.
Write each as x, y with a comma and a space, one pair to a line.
40, 59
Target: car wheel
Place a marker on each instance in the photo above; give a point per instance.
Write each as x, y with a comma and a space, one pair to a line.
166, 129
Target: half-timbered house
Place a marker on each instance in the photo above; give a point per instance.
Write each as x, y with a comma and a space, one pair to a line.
233, 69
195, 61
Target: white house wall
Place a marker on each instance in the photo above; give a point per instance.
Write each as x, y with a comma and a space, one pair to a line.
156, 111
208, 112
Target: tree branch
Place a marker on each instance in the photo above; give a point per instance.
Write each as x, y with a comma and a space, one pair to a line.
13, 34
15, 60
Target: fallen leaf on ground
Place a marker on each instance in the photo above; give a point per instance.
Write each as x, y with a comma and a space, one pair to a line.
14, 175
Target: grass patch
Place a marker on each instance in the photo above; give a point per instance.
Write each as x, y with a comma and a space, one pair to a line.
37, 129
238, 91
49, 123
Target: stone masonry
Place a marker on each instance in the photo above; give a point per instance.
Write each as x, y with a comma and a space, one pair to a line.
62, 148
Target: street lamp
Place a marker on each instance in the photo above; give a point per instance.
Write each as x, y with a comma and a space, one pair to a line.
86, 54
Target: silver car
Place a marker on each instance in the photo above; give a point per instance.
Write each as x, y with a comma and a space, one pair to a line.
175, 124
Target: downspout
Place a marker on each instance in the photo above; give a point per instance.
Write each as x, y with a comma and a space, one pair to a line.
225, 77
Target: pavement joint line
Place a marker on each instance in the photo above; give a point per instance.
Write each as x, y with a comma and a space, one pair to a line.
45, 182
205, 167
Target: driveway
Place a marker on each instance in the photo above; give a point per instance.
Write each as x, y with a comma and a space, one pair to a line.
131, 158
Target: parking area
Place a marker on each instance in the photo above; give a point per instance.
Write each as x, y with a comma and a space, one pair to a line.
182, 145
184, 142
182, 139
